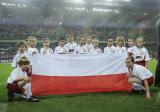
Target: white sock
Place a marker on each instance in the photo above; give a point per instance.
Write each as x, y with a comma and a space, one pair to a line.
28, 91
138, 87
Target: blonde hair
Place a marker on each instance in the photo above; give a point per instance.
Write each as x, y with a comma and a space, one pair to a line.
31, 37
140, 38
45, 39
120, 38
68, 35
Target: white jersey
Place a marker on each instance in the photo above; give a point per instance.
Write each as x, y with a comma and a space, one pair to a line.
17, 58
110, 50
95, 51
139, 54
89, 46
31, 51
141, 72
81, 50
16, 73
121, 50
71, 47
130, 49
61, 50
48, 51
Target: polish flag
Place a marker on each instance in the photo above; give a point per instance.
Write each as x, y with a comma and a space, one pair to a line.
71, 74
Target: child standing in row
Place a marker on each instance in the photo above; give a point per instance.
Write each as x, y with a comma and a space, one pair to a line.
21, 52
71, 45
110, 49
61, 49
45, 49
81, 48
140, 53
89, 44
95, 49
32, 50
120, 45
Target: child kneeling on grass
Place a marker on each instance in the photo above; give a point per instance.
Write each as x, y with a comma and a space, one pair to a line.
139, 76
19, 83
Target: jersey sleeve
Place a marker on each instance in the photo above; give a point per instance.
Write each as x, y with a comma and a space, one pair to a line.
105, 50
14, 62
146, 55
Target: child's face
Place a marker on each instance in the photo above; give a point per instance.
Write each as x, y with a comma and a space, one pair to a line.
82, 41
70, 38
120, 42
33, 42
130, 42
110, 42
140, 43
46, 43
22, 48
95, 43
61, 42
129, 63
24, 67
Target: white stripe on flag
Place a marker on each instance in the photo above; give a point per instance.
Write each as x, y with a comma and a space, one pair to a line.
79, 65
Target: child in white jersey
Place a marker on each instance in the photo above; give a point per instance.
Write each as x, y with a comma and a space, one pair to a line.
120, 45
61, 49
81, 48
95, 49
140, 53
71, 45
21, 52
89, 44
110, 49
19, 82
131, 46
139, 76
32, 50
45, 49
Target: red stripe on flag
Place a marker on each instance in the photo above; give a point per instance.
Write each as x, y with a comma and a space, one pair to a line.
49, 85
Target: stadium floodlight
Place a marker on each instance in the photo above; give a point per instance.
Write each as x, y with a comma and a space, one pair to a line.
60, 23
8, 4
101, 10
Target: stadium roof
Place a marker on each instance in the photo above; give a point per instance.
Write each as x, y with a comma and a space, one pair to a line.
109, 13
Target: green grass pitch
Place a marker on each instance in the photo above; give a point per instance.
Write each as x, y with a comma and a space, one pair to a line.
89, 102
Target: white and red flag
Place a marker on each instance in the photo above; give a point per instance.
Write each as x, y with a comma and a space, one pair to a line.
70, 74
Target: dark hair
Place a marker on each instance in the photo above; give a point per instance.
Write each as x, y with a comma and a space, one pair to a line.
131, 58
109, 37
45, 39
20, 44
61, 38
23, 60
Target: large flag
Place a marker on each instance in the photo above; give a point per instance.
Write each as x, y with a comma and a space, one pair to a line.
70, 74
